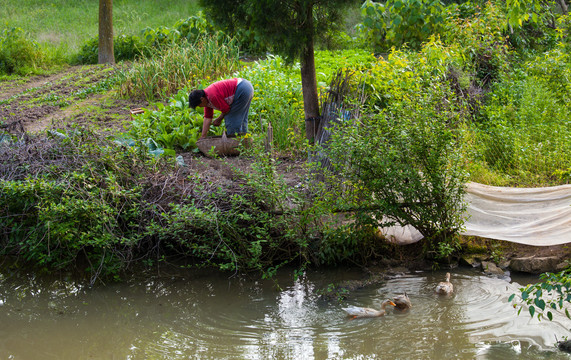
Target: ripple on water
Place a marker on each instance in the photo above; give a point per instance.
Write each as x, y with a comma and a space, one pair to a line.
212, 318
477, 313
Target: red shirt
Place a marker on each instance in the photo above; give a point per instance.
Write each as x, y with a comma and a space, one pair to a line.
220, 96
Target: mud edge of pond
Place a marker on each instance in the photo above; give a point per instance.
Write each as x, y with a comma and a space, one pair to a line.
494, 257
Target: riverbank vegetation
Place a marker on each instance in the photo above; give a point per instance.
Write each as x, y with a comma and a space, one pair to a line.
474, 91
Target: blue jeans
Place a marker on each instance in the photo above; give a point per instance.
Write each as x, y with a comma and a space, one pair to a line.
236, 120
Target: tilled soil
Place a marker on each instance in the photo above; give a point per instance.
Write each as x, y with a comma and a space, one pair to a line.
71, 96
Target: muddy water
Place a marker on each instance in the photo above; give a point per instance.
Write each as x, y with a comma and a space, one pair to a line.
211, 316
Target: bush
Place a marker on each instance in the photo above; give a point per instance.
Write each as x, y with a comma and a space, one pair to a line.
20, 55
79, 202
277, 100
124, 47
404, 164
129, 47
261, 227
483, 42
76, 200
194, 27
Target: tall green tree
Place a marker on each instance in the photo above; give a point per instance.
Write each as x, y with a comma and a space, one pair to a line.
290, 27
106, 53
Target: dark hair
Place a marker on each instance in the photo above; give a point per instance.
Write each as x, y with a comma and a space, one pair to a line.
194, 98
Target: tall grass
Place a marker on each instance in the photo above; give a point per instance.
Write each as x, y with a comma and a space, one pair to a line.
70, 23
175, 66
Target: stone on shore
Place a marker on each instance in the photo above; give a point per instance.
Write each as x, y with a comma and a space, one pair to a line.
537, 265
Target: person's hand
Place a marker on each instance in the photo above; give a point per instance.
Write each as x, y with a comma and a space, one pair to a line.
217, 121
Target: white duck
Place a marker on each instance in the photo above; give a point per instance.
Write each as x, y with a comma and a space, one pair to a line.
355, 312
445, 287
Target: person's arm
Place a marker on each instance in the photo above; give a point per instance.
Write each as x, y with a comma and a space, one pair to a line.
218, 120
205, 127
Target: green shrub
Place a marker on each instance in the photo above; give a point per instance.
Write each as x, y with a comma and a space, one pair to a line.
261, 226
86, 202
124, 48
404, 163
338, 40
83, 203
277, 100
130, 47
20, 55
161, 36
194, 27
89, 52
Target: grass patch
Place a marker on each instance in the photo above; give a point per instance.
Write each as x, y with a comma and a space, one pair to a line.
56, 22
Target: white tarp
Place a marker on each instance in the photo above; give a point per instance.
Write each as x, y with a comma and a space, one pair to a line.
531, 216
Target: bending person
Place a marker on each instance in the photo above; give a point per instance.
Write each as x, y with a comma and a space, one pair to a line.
232, 97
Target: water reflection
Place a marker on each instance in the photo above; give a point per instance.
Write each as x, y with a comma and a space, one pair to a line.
209, 316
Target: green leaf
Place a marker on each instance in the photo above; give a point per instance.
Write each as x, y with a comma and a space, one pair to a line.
510, 299
370, 10
550, 316
540, 303
531, 311
369, 22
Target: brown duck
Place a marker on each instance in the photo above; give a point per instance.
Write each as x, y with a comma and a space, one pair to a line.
402, 302
445, 287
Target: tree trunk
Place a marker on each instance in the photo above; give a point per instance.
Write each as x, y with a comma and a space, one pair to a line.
106, 54
564, 8
309, 89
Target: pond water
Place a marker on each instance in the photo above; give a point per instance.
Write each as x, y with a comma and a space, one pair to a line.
201, 315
